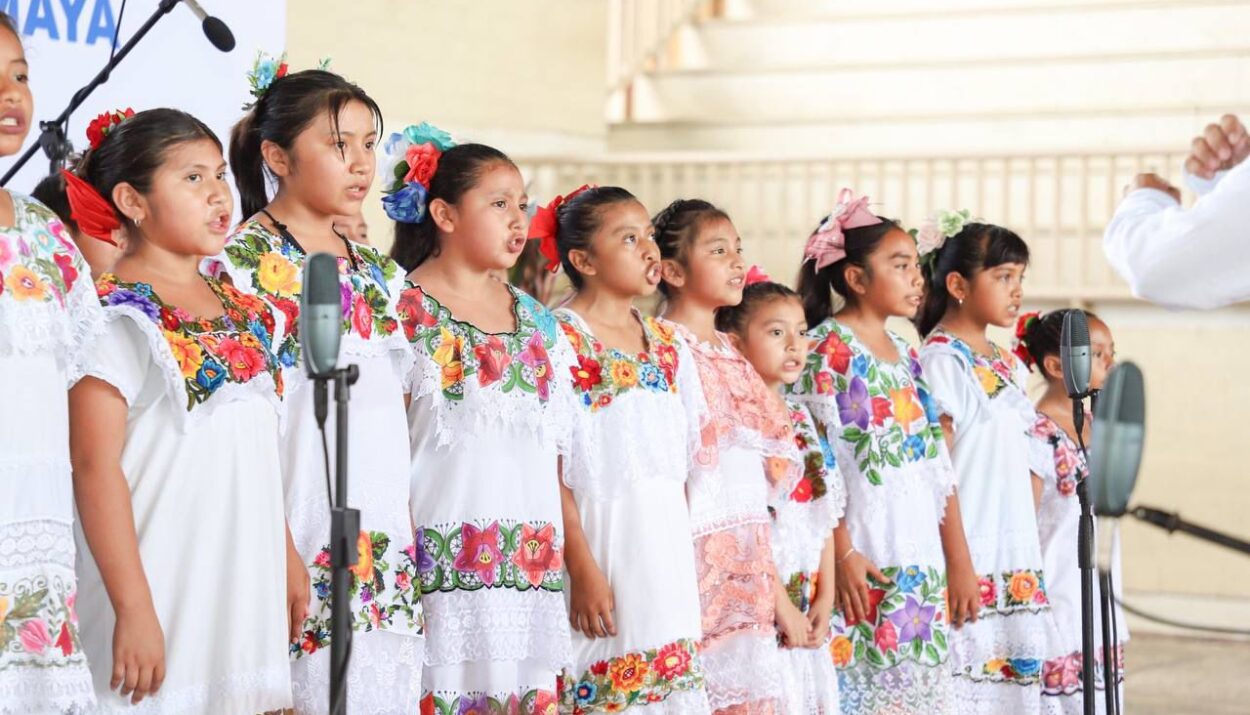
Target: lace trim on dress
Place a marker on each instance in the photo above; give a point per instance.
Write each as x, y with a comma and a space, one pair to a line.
485, 625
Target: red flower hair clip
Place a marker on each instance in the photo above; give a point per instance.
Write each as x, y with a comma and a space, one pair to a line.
1021, 348
544, 227
755, 274
102, 125
91, 211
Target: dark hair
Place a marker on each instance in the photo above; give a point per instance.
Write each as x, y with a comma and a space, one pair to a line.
50, 191
133, 150
975, 248
676, 227
578, 219
8, 23
280, 115
734, 318
817, 287
459, 169
1043, 336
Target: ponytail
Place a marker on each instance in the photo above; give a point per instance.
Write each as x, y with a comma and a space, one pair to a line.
248, 166
816, 287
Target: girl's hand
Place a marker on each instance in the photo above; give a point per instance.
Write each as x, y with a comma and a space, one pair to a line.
819, 615
298, 593
852, 585
963, 591
138, 653
591, 603
793, 626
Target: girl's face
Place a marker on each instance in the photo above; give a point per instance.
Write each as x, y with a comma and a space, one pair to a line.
488, 225
713, 270
187, 211
1102, 349
623, 257
16, 104
353, 227
330, 171
994, 294
893, 285
775, 341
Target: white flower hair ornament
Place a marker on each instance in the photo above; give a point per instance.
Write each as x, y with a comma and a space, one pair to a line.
936, 230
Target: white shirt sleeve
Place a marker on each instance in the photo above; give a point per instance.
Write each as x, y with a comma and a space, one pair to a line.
1195, 258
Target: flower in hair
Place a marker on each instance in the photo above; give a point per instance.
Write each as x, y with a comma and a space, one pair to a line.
935, 231
264, 71
412, 158
1020, 345
545, 225
104, 124
91, 211
827, 244
755, 274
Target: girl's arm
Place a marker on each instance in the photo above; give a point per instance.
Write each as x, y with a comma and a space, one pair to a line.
590, 601
1038, 486
821, 610
97, 414
795, 630
851, 576
298, 589
961, 577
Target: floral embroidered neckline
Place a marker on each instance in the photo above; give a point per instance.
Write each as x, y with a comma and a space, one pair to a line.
994, 372
603, 374
38, 261
1070, 466
234, 347
511, 361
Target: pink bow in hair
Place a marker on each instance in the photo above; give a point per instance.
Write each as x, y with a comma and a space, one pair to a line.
827, 245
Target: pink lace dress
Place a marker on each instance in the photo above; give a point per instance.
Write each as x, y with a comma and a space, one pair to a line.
729, 517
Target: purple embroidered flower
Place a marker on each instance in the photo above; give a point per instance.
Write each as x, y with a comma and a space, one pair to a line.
474, 706
912, 621
916, 371
422, 558
853, 404
345, 298
125, 296
535, 357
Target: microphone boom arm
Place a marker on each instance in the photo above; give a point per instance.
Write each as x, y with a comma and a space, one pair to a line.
1171, 522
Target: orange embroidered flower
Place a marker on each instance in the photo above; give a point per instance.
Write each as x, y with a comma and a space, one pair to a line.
906, 408
277, 275
988, 379
364, 557
841, 649
629, 672
662, 331
624, 374
186, 352
574, 336
24, 284
447, 356
1022, 586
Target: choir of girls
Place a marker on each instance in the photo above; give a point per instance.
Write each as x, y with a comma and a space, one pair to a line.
760, 500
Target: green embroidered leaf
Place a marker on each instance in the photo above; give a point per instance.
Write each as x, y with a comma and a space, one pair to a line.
893, 460
27, 606
874, 477
932, 654
860, 649
939, 639
932, 451
917, 648
874, 657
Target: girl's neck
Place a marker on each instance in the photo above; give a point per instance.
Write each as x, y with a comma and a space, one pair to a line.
449, 274
1055, 404
963, 326
147, 262
305, 223
603, 307
864, 320
698, 318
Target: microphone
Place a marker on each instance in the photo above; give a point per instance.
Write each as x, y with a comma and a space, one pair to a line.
1119, 434
320, 315
214, 29
1074, 352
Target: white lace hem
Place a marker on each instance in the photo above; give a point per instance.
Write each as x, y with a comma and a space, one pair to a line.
743, 668
254, 692
498, 625
65, 689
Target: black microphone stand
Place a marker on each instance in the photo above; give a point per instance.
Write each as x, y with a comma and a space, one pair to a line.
344, 531
1085, 559
52, 133
1172, 523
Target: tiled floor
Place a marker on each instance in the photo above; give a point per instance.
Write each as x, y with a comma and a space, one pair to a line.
1178, 676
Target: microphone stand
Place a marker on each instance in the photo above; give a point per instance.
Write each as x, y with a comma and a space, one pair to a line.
52, 133
1085, 559
1110, 657
1172, 523
344, 532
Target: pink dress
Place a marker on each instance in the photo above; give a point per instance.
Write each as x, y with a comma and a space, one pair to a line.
728, 494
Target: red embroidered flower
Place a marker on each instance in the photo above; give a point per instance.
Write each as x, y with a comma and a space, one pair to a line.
290, 312
427, 705
534, 356
492, 359
824, 383
881, 410
536, 553
672, 661
837, 353
309, 643
599, 667
104, 289
479, 552
65, 641
169, 321
244, 362
666, 357
802, 491
988, 591
886, 636
412, 313
422, 162
69, 273
875, 597
587, 374
362, 317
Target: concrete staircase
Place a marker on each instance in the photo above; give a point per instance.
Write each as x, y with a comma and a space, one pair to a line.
939, 77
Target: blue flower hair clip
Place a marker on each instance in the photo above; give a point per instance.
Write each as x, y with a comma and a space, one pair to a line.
266, 69
412, 158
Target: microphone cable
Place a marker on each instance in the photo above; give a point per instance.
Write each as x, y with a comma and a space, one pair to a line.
1165, 621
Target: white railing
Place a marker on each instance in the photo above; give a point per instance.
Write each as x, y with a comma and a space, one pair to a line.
639, 32
1058, 202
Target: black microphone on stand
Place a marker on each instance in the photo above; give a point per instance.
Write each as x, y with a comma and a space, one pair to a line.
1074, 352
320, 334
214, 29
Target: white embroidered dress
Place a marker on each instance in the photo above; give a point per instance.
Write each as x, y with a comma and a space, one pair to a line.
201, 462
883, 427
385, 668
48, 310
646, 412
492, 414
997, 660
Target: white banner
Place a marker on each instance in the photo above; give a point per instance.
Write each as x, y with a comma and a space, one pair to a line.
68, 41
